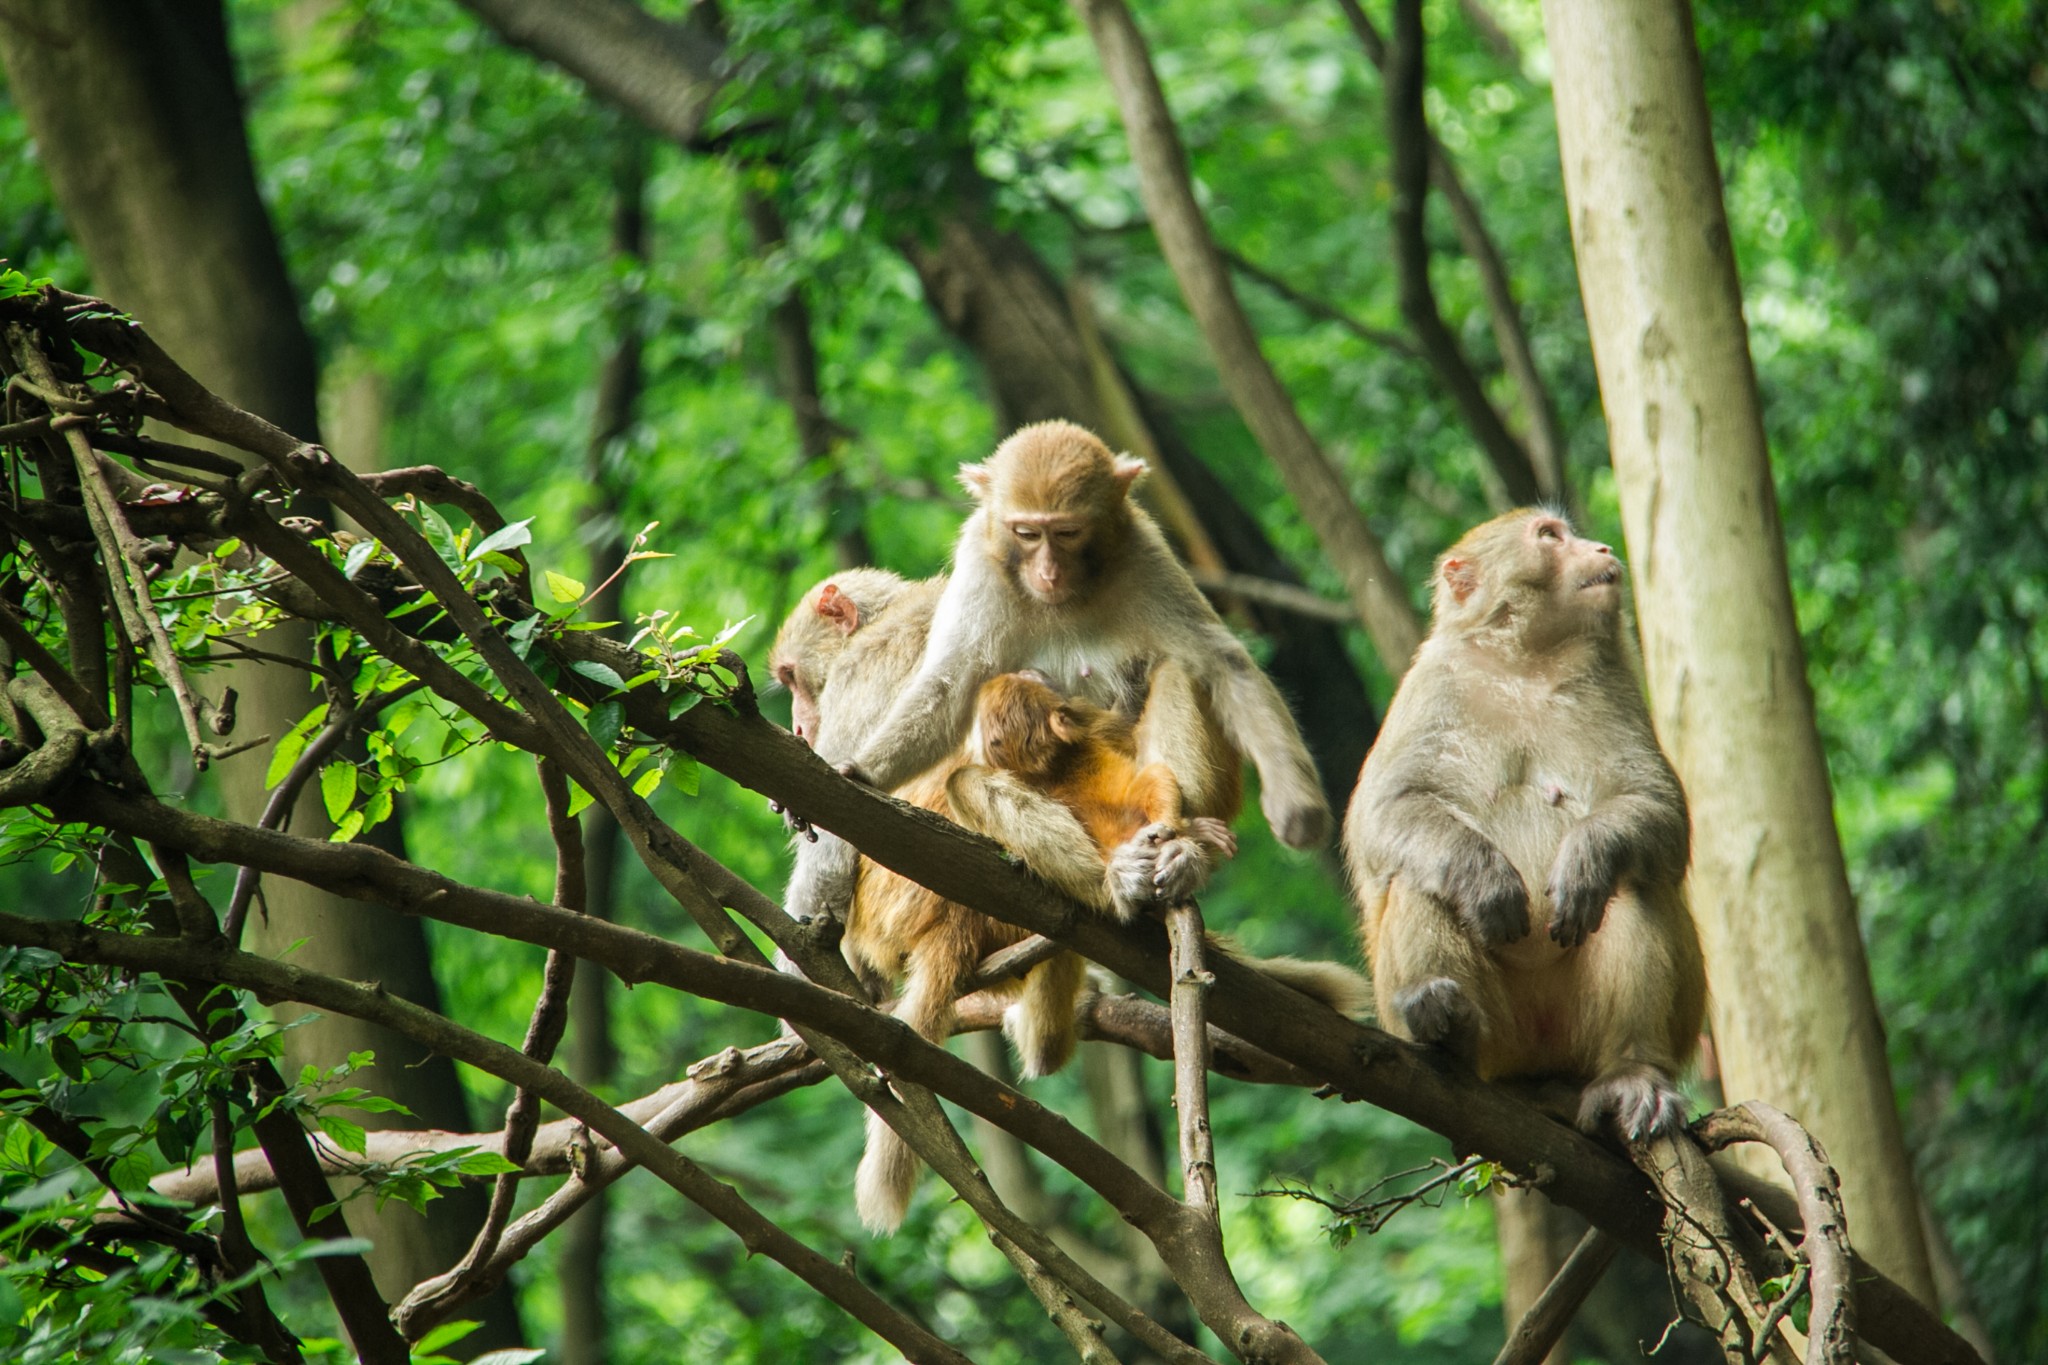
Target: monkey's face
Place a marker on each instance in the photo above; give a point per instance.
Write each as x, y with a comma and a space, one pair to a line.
1050, 554
814, 635
1530, 570
1021, 724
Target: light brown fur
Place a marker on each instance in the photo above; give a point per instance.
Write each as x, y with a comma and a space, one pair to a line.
1516, 786
1058, 571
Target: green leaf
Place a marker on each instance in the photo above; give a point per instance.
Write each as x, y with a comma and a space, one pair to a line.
598, 673
358, 555
511, 1355
562, 587
346, 1133
447, 1334
683, 773
649, 780
338, 789
511, 537
350, 826
605, 721
227, 547
579, 800
132, 1169
66, 1055
683, 701
292, 745
485, 1163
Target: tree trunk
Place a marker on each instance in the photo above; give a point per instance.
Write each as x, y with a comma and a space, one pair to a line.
136, 114
1169, 195
593, 1056
1794, 1016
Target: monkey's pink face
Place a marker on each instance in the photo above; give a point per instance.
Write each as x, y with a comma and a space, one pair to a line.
1049, 552
1582, 573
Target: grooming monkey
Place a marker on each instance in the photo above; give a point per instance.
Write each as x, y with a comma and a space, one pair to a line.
1085, 758
1056, 570
1516, 786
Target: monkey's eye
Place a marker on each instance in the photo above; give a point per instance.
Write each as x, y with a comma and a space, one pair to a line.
1549, 530
1068, 535
1030, 535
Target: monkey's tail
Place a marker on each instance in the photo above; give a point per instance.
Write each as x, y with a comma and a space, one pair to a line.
1040, 1022
1341, 988
887, 1176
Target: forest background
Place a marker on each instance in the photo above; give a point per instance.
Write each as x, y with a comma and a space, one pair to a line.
450, 213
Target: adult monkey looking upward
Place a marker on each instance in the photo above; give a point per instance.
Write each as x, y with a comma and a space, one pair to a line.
1517, 782
1057, 571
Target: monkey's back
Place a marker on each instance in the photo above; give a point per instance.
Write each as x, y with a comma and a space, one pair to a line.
891, 914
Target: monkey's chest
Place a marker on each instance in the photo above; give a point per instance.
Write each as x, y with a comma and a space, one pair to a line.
1094, 670
1531, 810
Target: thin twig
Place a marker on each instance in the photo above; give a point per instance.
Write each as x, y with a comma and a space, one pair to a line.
432, 1301
1188, 1002
1543, 1325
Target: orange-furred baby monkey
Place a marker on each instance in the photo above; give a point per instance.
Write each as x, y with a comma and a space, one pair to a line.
1084, 757
1517, 785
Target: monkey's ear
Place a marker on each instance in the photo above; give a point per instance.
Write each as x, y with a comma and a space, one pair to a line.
1067, 725
976, 479
1461, 577
841, 610
1128, 469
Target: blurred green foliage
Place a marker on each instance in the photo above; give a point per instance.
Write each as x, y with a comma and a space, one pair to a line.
444, 202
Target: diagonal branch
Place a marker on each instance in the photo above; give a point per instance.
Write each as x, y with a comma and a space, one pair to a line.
1318, 490
1543, 1325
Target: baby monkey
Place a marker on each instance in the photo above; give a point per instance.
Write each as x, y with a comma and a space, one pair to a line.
1516, 786
1082, 756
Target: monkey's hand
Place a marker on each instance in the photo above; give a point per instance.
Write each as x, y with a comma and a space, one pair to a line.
854, 771
1581, 883
1217, 834
793, 822
1158, 865
1487, 893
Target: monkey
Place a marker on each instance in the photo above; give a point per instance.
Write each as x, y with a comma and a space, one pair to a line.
1057, 570
844, 654
1517, 786
1085, 757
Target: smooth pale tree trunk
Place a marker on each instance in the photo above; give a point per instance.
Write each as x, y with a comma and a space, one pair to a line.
1794, 1017
135, 111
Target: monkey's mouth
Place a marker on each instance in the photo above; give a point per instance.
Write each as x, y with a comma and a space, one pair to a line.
1610, 574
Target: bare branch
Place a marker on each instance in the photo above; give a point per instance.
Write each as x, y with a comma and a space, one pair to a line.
1319, 491
1408, 132
1831, 1330
1543, 1325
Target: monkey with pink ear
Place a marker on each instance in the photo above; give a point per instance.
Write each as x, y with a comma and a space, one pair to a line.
1518, 842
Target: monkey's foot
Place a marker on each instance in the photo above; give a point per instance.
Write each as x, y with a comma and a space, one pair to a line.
1438, 1013
1640, 1099
1182, 870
